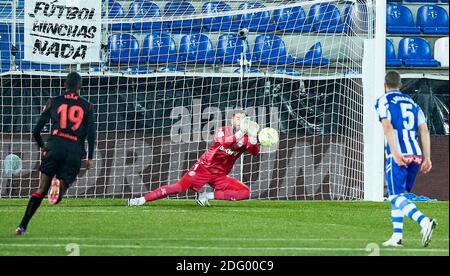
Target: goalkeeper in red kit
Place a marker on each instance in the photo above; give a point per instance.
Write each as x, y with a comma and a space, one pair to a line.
213, 167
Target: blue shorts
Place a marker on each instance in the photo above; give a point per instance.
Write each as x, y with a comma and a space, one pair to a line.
400, 179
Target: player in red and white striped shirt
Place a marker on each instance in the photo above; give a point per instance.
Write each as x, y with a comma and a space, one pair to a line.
213, 167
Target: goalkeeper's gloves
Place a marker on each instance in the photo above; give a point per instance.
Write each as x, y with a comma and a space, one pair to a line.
251, 128
245, 122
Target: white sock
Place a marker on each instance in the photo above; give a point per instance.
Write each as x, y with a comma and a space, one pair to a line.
397, 236
210, 195
424, 222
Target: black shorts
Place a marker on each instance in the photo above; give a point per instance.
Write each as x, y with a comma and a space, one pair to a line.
61, 160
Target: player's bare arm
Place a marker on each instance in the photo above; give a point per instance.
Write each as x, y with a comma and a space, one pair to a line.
426, 148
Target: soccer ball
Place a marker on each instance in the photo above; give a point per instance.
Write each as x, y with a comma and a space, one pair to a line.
12, 165
268, 137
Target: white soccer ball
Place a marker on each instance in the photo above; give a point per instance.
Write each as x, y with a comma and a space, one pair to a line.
12, 165
268, 137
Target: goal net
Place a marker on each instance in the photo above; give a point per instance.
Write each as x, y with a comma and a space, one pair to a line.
171, 72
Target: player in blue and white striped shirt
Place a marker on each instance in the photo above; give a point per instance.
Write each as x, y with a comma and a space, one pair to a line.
403, 122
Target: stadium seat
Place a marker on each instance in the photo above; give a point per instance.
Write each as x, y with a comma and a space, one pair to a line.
291, 20
255, 21
432, 19
399, 20
444, 1
160, 48
124, 49
115, 11
356, 17
270, 50
4, 68
219, 23
441, 51
5, 43
416, 52
6, 10
314, 57
197, 48
325, 18
230, 48
391, 59
181, 9
145, 9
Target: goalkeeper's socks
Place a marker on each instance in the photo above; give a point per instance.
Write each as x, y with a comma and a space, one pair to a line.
33, 205
410, 210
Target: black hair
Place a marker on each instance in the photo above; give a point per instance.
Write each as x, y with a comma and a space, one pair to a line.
73, 81
393, 79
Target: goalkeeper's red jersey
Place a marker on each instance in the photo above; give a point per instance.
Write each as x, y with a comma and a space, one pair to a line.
225, 150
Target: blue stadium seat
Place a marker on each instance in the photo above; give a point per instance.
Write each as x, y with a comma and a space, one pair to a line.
314, 57
325, 18
291, 20
5, 43
6, 9
160, 48
399, 20
255, 21
270, 50
180, 9
4, 68
124, 49
356, 17
229, 49
444, 1
197, 48
145, 9
348, 21
219, 23
115, 11
391, 59
432, 19
416, 52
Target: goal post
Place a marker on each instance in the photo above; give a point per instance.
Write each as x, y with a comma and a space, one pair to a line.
172, 72
373, 79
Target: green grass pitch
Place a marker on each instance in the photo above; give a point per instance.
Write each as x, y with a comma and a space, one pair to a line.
179, 227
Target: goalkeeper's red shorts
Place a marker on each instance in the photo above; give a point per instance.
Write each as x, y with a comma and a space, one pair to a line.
198, 176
